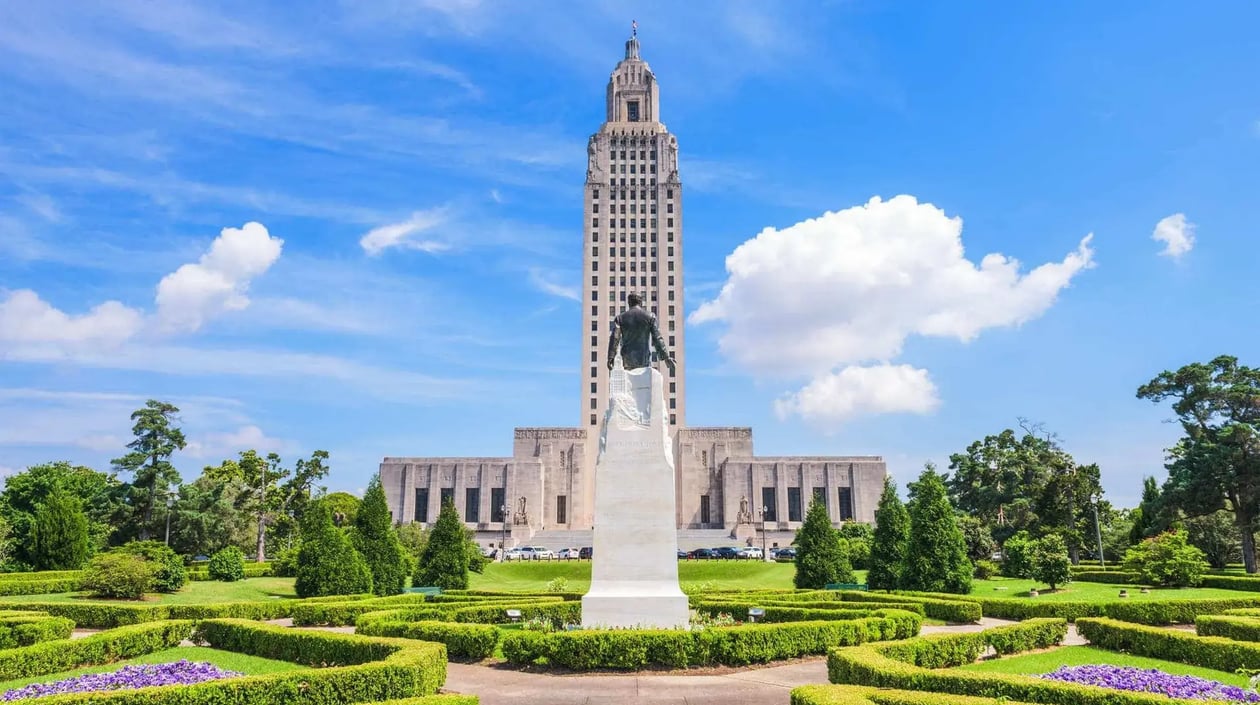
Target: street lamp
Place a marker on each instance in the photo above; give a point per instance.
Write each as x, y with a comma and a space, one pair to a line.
502, 533
170, 502
1102, 561
764, 556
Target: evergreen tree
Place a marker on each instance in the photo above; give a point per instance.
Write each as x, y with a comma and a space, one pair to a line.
376, 540
936, 560
149, 461
327, 563
59, 536
444, 562
892, 536
820, 558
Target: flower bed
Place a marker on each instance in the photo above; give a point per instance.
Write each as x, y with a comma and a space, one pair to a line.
180, 672
1152, 681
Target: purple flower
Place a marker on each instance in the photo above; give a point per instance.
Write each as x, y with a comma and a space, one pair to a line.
181, 672
1152, 681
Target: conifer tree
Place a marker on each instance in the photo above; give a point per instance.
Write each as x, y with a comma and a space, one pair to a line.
444, 562
936, 559
820, 559
377, 541
892, 536
59, 535
327, 563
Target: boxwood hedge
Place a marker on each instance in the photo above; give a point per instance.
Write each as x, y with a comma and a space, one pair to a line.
856, 695
1158, 612
1214, 652
114, 645
1238, 628
25, 628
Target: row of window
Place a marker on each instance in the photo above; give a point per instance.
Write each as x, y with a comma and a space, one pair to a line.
642, 222
634, 281
634, 237
620, 295
613, 154
669, 208
622, 169
612, 252
642, 194
472, 505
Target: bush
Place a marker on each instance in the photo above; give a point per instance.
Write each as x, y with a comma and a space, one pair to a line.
105, 647
820, 557
169, 574
376, 541
59, 534
286, 563
936, 558
1114, 577
1206, 651
26, 628
469, 641
985, 570
327, 563
445, 560
1167, 560
860, 553
891, 536
1050, 562
1017, 556
227, 565
120, 575
1238, 628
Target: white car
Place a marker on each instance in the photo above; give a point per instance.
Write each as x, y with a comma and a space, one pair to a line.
750, 552
536, 553
514, 554
567, 554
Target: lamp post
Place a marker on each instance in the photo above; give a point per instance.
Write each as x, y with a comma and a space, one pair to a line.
764, 555
170, 502
1102, 561
502, 533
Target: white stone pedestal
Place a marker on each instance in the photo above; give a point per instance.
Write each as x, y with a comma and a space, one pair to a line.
634, 576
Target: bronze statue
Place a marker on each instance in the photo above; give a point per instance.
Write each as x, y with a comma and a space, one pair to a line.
636, 333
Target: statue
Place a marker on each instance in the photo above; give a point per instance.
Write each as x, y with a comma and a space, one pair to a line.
634, 333
745, 516
520, 518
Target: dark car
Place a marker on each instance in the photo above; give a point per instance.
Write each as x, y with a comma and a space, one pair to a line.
682, 554
584, 553
728, 552
702, 554
784, 553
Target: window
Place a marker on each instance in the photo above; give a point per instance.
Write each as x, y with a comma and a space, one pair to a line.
671, 307
632, 113
596, 194
673, 420
593, 387
422, 504
669, 251
594, 295
594, 341
672, 387
592, 419
642, 153
767, 504
593, 402
669, 193
671, 265
669, 222
671, 338
671, 325
562, 509
472, 505
671, 280
673, 403
820, 495
593, 356
654, 284
846, 503
704, 509
794, 504
594, 222
669, 208
670, 235
594, 324
671, 291
594, 280
594, 371
498, 504
594, 207
594, 252
447, 495
594, 312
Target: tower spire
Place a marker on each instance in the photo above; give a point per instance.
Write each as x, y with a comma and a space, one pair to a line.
632, 44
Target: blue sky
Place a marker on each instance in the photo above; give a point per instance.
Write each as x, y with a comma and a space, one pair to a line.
132, 134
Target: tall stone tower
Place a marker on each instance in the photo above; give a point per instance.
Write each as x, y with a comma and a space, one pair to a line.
632, 234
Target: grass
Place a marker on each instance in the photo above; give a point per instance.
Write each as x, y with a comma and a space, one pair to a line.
194, 593
1093, 592
1047, 661
227, 660
530, 576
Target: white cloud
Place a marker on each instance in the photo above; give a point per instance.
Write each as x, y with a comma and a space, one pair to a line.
855, 390
219, 281
1176, 233
850, 286
379, 239
25, 318
230, 444
543, 284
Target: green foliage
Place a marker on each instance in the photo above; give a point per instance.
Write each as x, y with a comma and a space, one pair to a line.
1207, 651
286, 563
1017, 556
343, 506
983, 570
1167, 560
205, 519
463, 641
851, 530
889, 542
375, 540
859, 551
327, 563
228, 565
477, 561
558, 584
113, 645
445, 560
98, 493
149, 462
1236, 627
169, 574
266, 491
936, 559
26, 628
120, 575
1050, 562
413, 537
59, 534
980, 543
1216, 535
820, 558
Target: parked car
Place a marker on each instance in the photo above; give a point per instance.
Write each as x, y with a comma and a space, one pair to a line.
750, 553
784, 553
585, 553
488, 551
703, 554
727, 552
514, 554
538, 553
682, 555
568, 554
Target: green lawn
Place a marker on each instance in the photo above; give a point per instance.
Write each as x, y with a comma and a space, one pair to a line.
1047, 661
1091, 592
193, 593
227, 660
530, 575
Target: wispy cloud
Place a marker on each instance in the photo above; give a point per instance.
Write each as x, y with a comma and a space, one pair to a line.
543, 283
403, 234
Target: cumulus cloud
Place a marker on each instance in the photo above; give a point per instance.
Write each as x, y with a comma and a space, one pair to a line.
219, 281
1176, 233
849, 287
25, 318
403, 235
230, 444
835, 397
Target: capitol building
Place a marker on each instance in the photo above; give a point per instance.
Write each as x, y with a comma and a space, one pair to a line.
632, 243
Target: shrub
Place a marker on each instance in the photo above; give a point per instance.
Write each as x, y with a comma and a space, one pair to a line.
121, 575
169, 574
980, 543
1167, 560
888, 547
1050, 562
1238, 628
286, 563
59, 534
327, 563
820, 557
105, 647
1206, 651
1017, 556
445, 560
376, 541
936, 559
470, 641
985, 570
26, 628
227, 565
558, 584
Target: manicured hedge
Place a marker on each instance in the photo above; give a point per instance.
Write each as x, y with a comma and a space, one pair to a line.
331, 613
465, 641
511, 595
449, 699
94, 615
934, 607
40, 575
25, 628
1250, 583
42, 587
780, 613
113, 645
733, 646
1183, 647
1159, 612
1237, 628
564, 612
481, 612
1113, 577
1246, 583
252, 570
856, 695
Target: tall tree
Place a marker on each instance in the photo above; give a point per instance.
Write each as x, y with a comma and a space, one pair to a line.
205, 518
444, 562
327, 563
892, 536
59, 536
1216, 464
1148, 518
820, 558
936, 560
99, 493
375, 539
156, 440
260, 491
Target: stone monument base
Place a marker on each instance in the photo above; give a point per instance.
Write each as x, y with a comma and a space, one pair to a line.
635, 606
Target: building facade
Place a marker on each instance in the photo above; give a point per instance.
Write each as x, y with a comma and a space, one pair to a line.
632, 243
